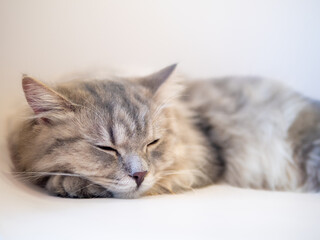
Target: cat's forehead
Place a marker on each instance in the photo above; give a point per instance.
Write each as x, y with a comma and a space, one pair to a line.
120, 110
121, 91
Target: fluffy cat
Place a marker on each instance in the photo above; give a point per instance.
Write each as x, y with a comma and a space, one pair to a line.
129, 137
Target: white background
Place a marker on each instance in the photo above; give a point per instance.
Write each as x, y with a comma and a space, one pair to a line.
277, 39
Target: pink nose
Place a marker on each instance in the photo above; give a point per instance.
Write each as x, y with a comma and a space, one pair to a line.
139, 177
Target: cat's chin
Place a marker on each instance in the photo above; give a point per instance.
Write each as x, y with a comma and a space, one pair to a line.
132, 191
127, 195
130, 194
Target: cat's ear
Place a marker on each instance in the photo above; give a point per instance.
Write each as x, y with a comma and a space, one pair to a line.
155, 80
43, 99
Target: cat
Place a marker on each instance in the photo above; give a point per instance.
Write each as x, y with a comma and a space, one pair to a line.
132, 137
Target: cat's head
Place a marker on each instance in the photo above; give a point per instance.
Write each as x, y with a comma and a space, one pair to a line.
114, 133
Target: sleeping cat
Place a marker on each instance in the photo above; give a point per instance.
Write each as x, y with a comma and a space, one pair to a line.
130, 137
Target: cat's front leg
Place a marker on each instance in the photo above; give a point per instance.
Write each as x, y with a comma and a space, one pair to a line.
75, 187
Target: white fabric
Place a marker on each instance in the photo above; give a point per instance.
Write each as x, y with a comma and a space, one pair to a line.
217, 212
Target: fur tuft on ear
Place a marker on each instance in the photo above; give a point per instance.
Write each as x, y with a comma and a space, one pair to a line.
155, 80
41, 98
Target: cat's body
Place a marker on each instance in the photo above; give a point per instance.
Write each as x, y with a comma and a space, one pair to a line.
130, 137
264, 132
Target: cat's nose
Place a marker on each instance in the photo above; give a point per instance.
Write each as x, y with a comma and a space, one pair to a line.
139, 177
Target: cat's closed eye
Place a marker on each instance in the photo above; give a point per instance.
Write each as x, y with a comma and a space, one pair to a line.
153, 142
107, 148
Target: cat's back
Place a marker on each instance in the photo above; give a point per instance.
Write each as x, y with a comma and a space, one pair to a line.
236, 94
249, 119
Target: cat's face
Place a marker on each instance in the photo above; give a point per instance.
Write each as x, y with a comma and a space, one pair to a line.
110, 133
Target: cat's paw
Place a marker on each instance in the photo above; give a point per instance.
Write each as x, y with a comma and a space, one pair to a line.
75, 187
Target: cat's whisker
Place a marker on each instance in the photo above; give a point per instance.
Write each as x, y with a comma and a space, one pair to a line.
49, 174
114, 186
28, 178
106, 182
42, 174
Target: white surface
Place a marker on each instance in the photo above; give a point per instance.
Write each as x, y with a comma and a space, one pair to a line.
48, 39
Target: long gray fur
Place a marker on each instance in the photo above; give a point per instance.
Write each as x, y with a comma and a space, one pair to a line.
88, 138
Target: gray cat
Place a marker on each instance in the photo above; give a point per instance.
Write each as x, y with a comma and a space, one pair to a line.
130, 137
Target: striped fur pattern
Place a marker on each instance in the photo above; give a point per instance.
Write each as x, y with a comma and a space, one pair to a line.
86, 138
